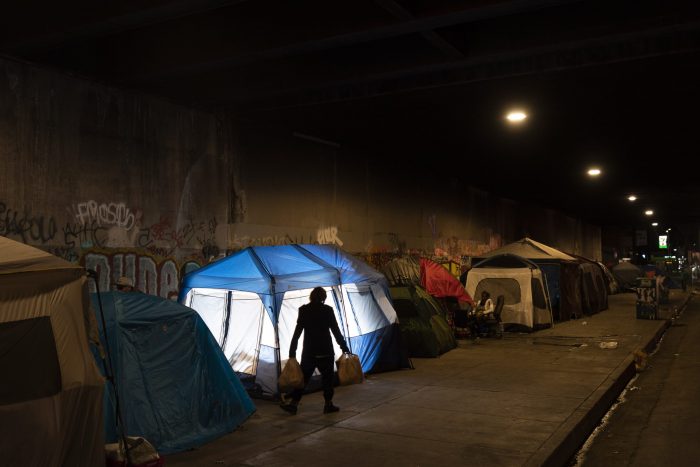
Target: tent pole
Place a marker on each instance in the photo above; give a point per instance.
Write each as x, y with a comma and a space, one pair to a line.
107, 362
278, 351
546, 295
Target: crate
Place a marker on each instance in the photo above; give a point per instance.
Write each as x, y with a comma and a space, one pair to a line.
647, 310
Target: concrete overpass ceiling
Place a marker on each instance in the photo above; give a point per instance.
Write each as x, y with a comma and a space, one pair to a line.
423, 83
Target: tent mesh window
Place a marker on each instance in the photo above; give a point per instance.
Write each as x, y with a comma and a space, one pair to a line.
509, 288
29, 365
538, 298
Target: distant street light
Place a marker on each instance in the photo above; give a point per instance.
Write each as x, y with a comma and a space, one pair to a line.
649, 212
594, 171
632, 198
516, 116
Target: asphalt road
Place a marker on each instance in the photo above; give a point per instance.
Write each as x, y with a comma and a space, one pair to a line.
657, 422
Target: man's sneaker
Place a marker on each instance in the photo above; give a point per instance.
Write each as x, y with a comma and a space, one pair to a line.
289, 407
330, 408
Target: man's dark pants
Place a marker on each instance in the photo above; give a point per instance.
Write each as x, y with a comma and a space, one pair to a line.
324, 363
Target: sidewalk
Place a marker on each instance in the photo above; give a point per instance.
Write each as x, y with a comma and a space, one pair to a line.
528, 399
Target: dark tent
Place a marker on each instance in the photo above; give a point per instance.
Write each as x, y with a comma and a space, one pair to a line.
422, 321
402, 271
175, 386
627, 274
595, 291
610, 280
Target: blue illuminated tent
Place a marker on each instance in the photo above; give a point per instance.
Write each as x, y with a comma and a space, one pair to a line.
175, 387
250, 301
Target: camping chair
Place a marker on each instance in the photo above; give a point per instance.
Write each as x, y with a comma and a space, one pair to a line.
493, 320
462, 323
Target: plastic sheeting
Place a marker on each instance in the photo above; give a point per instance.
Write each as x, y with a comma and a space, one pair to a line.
176, 387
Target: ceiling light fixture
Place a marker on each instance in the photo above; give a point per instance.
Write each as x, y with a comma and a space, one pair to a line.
649, 212
594, 171
632, 198
516, 116
654, 224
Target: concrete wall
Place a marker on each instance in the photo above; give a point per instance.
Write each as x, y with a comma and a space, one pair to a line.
137, 186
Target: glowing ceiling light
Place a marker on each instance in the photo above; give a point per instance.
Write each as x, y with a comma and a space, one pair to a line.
632, 198
516, 116
654, 224
649, 212
594, 171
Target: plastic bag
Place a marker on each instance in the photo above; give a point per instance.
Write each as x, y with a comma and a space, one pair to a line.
291, 377
141, 453
349, 369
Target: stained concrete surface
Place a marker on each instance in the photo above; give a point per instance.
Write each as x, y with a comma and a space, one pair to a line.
528, 399
657, 421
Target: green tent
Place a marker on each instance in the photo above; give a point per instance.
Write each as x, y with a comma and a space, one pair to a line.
424, 329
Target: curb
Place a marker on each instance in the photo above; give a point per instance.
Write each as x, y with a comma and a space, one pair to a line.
566, 441
561, 447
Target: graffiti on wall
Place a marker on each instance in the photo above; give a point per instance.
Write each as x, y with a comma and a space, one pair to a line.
150, 274
453, 247
28, 227
109, 238
328, 236
107, 214
322, 236
115, 225
164, 239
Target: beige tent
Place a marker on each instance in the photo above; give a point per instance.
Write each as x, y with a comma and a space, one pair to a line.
562, 273
520, 282
50, 388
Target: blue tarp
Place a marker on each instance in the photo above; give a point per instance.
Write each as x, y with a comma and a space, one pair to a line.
176, 388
